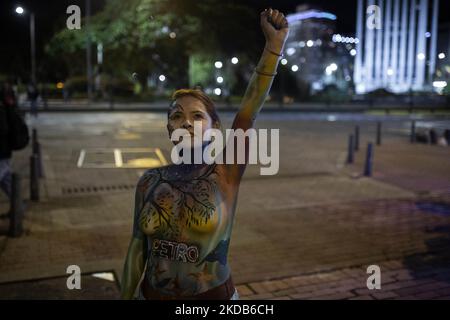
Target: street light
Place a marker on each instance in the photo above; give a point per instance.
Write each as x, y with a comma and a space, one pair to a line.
331, 68
20, 11
218, 64
234, 60
290, 51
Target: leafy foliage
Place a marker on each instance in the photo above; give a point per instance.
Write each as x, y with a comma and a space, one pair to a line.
158, 35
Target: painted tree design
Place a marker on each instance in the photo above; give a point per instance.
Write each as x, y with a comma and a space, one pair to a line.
193, 197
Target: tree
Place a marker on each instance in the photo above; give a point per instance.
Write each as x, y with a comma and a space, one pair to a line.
146, 36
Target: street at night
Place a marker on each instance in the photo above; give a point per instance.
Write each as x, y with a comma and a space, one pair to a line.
320, 219
239, 150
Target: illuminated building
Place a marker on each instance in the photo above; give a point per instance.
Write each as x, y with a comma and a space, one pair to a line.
397, 50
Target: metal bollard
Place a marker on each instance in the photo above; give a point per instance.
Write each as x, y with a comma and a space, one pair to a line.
34, 141
16, 214
350, 149
36, 149
40, 167
378, 133
34, 178
433, 136
369, 160
412, 136
356, 138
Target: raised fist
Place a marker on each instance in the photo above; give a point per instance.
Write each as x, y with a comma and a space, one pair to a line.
275, 28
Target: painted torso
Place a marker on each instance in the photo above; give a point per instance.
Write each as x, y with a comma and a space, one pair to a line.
187, 215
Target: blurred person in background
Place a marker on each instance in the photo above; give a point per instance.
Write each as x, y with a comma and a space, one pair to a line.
8, 98
33, 95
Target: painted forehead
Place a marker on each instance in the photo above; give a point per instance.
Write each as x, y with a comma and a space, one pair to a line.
196, 106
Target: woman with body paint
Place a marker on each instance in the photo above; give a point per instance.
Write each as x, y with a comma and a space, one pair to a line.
184, 213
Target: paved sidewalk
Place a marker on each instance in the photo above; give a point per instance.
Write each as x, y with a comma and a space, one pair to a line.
308, 233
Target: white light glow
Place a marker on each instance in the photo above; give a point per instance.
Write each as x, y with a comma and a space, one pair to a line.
172, 35
219, 79
333, 67
331, 117
421, 56
353, 52
217, 91
294, 68
390, 72
162, 78
19, 10
290, 51
234, 60
218, 64
441, 55
284, 62
439, 84
310, 43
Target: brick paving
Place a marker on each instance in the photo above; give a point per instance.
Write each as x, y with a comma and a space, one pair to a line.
310, 238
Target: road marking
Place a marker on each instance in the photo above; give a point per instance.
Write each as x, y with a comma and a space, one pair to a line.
161, 156
118, 158
121, 158
81, 158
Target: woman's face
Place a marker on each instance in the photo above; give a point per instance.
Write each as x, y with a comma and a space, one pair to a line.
184, 112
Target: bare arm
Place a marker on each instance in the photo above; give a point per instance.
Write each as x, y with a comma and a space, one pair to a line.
137, 253
275, 28
134, 268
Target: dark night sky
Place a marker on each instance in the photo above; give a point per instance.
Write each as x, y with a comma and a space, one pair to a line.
51, 15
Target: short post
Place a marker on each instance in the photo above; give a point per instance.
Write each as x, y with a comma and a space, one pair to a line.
34, 141
350, 149
36, 149
412, 137
39, 155
433, 136
356, 138
369, 160
16, 213
378, 133
34, 177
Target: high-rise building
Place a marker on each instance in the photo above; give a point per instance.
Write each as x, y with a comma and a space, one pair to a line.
397, 45
309, 46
